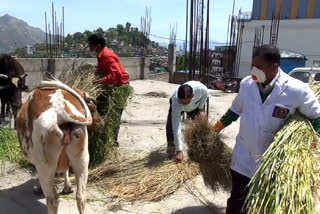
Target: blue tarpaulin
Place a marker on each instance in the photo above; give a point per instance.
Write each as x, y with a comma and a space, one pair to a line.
303, 9
290, 60
256, 9
271, 8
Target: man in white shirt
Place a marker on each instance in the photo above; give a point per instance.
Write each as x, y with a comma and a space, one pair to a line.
191, 98
265, 101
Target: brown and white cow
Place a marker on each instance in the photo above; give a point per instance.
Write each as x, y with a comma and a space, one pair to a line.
52, 130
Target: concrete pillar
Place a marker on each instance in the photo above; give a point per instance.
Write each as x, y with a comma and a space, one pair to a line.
51, 68
142, 65
172, 61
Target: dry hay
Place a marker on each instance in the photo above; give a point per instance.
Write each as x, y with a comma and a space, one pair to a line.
206, 148
84, 77
142, 177
111, 101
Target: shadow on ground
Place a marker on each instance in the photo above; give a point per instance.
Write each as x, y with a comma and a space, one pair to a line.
213, 209
20, 199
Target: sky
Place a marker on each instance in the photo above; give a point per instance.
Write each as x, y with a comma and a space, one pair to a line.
83, 15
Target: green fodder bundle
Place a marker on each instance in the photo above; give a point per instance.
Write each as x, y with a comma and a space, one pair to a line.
140, 177
111, 101
288, 177
9, 147
206, 148
110, 105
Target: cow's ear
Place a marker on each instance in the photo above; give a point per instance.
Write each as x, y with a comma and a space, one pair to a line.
24, 76
15, 81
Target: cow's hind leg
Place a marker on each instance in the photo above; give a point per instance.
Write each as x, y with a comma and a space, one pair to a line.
48, 150
80, 168
67, 184
79, 158
46, 178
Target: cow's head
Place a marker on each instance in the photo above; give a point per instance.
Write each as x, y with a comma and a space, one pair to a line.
13, 87
22, 83
97, 121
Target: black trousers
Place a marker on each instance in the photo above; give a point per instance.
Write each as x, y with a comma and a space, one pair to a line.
239, 193
117, 127
169, 131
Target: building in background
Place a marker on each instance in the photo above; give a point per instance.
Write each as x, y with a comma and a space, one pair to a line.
216, 57
29, 50
298, 31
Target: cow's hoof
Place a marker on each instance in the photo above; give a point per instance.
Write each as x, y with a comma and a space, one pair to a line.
37, 190
67, 190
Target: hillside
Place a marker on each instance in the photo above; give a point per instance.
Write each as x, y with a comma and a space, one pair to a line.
15, 33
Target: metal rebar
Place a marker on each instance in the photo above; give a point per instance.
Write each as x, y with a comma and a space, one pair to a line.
45, 17
191, 40
186, 44
53, 23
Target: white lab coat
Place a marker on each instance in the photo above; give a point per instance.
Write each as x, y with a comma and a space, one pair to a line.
258, 124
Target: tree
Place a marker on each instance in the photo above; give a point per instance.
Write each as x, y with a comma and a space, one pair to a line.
128, 27
111, 34
180, 63
21, 53
68, 40
124, 39
78, 37
99, 31
87, 33
120, 29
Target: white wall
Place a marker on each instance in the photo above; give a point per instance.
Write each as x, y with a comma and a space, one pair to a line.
299, 35
37, 67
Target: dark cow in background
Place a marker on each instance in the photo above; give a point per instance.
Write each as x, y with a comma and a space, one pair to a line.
12, 83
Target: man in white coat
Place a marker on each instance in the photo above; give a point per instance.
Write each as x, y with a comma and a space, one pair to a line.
191, 98
265, 101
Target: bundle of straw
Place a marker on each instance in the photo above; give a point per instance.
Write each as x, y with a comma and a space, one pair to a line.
141, 177
110, 103
84, 77
206, 148
288, 177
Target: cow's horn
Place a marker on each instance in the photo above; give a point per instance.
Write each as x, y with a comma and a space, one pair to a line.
3, 76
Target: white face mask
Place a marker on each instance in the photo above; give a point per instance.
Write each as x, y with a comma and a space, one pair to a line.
258, 75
